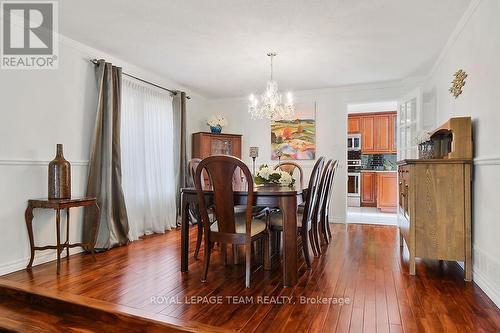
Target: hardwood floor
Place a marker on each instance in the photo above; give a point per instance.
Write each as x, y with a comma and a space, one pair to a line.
363, 267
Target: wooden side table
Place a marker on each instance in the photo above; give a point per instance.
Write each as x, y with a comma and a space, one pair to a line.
58, 205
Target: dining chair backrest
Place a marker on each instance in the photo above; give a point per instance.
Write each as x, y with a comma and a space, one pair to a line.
323, 189
312, 191
218, 167
238, 178
192, 165
290, 167
329, 190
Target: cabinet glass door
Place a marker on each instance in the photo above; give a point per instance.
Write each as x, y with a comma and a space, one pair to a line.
221, 146
409, 125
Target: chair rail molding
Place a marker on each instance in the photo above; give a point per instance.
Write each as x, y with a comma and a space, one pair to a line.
487, 160
39, 162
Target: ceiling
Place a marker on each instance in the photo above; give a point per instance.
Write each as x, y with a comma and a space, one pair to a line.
218, 47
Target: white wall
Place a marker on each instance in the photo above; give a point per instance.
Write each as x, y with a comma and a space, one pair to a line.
40, 109
373, 107
475, 48
331, 128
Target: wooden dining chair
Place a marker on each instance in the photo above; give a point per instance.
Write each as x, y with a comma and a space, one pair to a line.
229, 227
325, 210
304, 223
194, 211
322, 204
316, 209
290, 167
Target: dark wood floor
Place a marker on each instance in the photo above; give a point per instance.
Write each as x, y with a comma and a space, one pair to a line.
363, 264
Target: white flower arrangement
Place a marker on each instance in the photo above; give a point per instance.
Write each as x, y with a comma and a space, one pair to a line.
421, 137
217, 120
266, 175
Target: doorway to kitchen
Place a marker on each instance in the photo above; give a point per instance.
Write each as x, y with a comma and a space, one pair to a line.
371, 163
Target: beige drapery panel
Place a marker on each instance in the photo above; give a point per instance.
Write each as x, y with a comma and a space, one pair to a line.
104, 174
180, 163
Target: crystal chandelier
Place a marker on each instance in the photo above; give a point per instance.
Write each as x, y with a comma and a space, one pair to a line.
270, 105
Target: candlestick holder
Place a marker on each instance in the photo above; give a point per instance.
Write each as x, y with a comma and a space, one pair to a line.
254, 153
279, 153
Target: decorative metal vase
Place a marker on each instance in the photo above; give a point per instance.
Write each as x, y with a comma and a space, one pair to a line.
216, 129
426, 150
59, 176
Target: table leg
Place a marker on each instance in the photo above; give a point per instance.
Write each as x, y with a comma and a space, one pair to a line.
28, 216
184, 233
58, 233
288, 206
67, 233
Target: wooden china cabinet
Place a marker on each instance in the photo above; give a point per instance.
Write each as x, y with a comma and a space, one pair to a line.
206, 144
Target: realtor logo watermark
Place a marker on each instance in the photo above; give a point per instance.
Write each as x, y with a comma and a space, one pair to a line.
29, 36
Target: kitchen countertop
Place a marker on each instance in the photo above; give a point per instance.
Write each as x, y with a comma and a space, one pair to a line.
379, 170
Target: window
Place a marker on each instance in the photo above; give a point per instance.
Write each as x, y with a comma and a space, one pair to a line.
147, 158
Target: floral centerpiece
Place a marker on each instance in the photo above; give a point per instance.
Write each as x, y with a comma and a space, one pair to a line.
216, 123
268, 176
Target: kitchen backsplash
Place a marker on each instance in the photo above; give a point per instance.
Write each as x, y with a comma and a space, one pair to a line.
378, 161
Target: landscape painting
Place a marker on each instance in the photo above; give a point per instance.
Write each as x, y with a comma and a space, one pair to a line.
295, 138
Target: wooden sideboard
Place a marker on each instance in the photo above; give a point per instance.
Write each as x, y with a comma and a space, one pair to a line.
206, 144
434, 213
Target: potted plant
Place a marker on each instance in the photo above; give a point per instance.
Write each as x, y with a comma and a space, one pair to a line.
216, 123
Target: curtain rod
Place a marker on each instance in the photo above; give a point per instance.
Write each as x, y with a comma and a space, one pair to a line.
174, 92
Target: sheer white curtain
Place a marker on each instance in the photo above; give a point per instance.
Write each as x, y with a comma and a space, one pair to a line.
147, 158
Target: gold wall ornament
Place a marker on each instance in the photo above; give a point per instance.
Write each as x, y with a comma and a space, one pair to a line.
458, 83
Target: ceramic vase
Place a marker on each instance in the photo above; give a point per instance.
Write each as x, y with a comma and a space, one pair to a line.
216, 129
59, 176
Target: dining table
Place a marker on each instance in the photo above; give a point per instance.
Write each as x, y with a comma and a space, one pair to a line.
286, 198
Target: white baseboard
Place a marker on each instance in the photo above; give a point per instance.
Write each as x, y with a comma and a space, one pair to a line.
336, 220
486, 273
40, 258
489, 288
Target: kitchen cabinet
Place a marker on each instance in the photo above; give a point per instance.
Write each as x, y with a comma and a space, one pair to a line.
387, 191
381, 133
378, 131
353, 125
367, 135
393, 133
368, 189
